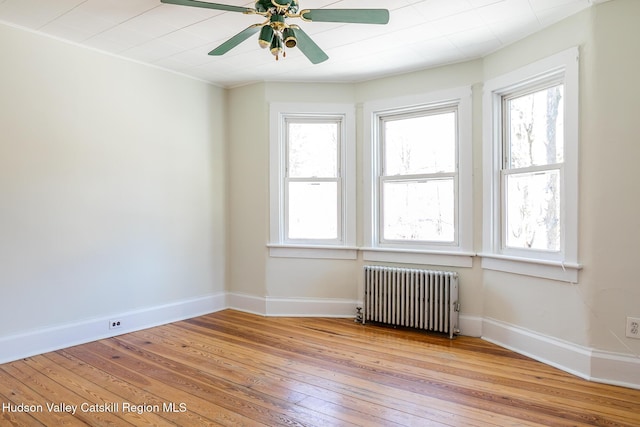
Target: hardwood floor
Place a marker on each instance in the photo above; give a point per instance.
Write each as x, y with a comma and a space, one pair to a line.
232, 368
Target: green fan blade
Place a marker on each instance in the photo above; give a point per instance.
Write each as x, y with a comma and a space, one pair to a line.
206, 5
309, 48
235, 40
352, 16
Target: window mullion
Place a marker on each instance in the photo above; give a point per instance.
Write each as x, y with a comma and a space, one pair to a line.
532, 169
419, 177
312, 179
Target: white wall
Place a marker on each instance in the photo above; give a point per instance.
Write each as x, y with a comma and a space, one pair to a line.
590, 315
550, 308
112, 189
248, 189
297, 280
258, 282
611, 155
468, 74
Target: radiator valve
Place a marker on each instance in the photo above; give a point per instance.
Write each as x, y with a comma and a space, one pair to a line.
359, 317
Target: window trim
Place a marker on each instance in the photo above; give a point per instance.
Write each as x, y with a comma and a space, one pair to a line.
458, 254
563, 266
344, 246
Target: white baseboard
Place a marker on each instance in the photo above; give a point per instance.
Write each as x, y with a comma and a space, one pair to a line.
470, 326
600, 366
247, 303
311, 307
323, 307
594, 365
55, 338
615, 369
294, 307
563, 355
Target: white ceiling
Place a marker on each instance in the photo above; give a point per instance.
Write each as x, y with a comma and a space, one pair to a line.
420, 34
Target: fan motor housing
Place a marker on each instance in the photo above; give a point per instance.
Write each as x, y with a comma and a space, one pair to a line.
290, 6
282, 3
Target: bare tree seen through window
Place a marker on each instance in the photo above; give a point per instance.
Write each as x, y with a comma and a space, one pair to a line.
534, 154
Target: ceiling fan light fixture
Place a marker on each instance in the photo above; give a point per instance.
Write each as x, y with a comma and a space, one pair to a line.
289, 37
266, 36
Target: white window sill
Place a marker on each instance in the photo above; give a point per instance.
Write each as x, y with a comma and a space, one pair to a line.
555, 270
414, 256
401, 256
312, 251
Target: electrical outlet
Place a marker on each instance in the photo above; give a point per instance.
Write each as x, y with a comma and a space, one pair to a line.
633, 327
115, 324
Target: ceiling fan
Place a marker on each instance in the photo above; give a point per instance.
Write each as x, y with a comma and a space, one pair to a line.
277, 34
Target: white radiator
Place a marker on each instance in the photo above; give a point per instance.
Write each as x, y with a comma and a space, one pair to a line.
413, 298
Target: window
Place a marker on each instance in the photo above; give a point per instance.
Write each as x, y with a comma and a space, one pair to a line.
533, 147
420, 179
417, 181
530, 162
312, 181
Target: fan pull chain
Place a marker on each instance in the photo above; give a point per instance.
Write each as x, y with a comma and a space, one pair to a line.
284, 55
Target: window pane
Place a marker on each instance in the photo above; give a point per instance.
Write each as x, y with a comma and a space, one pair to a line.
420, 145
313, 210
419, 210
533, 210
536, 128
313, 150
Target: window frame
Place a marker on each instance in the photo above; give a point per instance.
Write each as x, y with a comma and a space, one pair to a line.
557, 265
343, 247
288, 179
454, 254
554, 79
